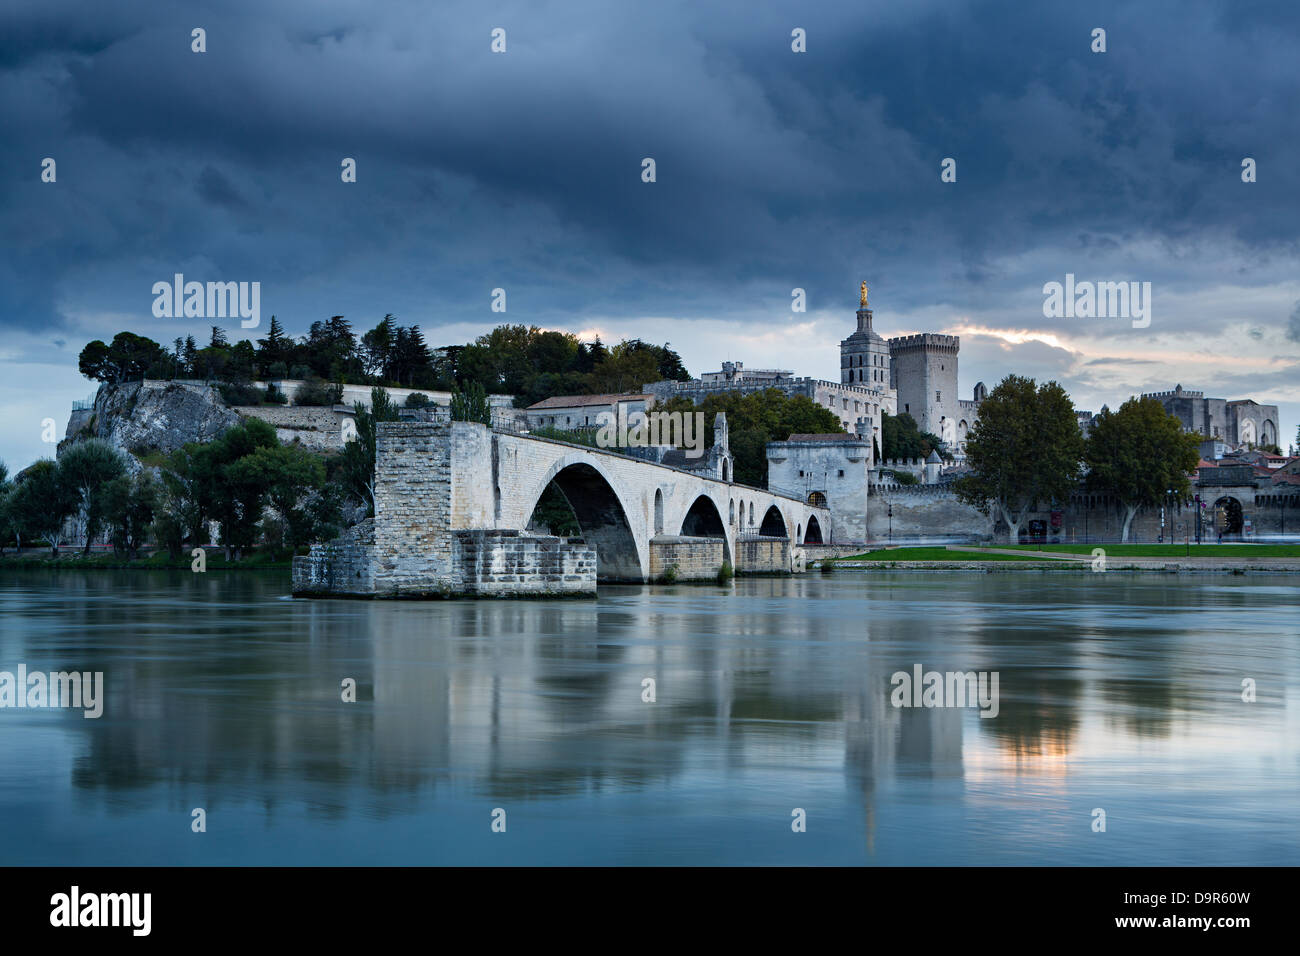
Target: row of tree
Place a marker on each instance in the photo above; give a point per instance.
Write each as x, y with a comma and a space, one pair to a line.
230, 481
524, 361
1026, 452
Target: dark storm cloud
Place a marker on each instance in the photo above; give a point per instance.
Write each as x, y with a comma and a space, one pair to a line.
523, 170
218, 190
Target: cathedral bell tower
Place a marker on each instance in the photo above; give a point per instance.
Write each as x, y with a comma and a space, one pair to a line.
864, 355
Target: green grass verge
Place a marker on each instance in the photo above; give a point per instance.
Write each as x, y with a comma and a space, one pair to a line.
1167, 550
932, 554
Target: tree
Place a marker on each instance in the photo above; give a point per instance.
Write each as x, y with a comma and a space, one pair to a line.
129, 505
318, 392
1138, 454
276, 348
44, 502
903, 438
185, 499
628, 367
178, 357
357, 463
236, 495
126, 359
471, 405
410, 362
242, 366
12, 518
7, 525
554, 513
331, 350
1025, 448
287, 473
377, 347
85, 468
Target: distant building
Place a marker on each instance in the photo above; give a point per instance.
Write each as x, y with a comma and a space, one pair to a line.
1085, 422
584, 411
1237, 423
916, 374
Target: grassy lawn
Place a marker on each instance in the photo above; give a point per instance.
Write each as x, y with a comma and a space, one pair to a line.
1168, 550
932, 554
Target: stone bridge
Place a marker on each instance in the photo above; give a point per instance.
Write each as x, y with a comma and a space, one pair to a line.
453, 503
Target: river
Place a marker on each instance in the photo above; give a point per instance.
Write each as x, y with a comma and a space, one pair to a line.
1116, 692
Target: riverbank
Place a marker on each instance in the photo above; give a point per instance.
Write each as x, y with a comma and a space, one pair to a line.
214, 560
1217, 559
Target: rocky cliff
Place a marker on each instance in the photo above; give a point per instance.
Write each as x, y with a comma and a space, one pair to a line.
140, 417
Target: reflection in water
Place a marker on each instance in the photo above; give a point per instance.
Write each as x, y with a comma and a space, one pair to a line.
1116, 691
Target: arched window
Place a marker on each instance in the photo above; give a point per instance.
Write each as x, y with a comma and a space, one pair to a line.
659, 511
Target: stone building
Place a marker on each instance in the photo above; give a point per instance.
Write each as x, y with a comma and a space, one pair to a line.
1239, 422
923, 370
830, 470
916, 374
584, 411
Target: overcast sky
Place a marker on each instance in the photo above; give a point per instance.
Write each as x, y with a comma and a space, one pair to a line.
775, 170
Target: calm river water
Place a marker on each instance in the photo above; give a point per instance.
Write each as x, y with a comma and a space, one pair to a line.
1116, 692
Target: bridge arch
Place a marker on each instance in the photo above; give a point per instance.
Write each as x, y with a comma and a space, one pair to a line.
773, 525
602, 516
814, 533
704, 520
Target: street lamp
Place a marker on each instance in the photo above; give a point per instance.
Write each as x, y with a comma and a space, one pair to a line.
891, 522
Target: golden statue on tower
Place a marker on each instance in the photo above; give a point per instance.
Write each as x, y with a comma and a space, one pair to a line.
863, 300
